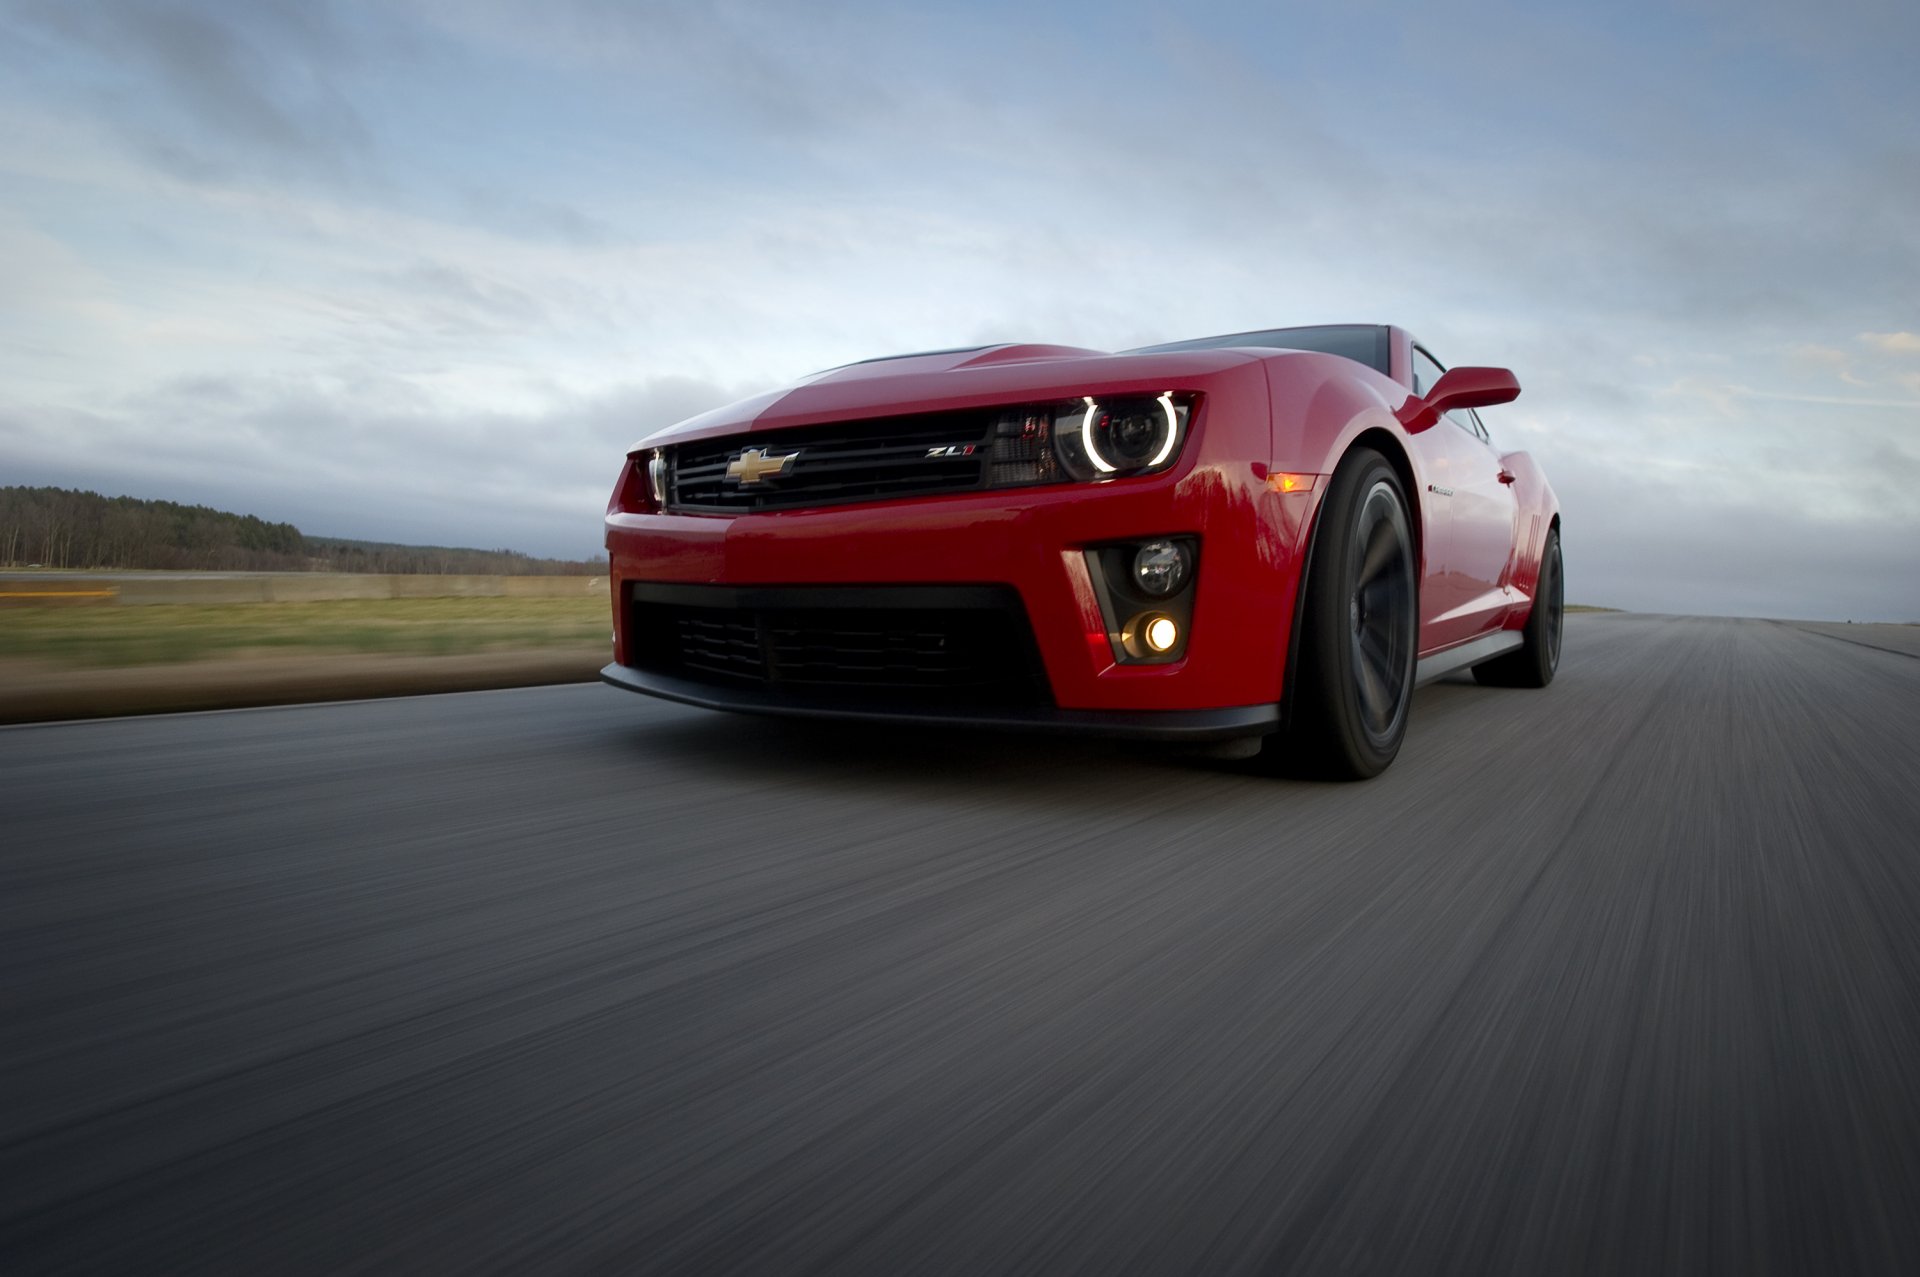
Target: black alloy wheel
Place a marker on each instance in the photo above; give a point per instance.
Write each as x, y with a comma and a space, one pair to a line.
1382, 614
1353, 677
1538, 659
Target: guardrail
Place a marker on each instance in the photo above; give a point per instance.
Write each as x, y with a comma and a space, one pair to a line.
147, 588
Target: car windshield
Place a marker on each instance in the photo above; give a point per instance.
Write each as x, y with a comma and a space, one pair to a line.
1362, 343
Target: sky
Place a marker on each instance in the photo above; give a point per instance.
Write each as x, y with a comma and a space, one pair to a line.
423, 270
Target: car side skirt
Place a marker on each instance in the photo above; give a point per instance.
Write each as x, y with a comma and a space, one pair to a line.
1466, 655
1197, 725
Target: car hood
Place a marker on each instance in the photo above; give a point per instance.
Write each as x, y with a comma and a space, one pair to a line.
956, 379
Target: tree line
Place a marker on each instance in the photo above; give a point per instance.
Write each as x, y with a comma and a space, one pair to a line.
58, 528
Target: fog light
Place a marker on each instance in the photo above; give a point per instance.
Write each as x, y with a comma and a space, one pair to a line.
1160, 567
1161, 634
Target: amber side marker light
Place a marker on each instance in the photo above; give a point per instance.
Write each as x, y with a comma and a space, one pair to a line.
1292, 482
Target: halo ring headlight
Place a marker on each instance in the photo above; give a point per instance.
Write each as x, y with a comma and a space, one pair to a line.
1100, 463
1173, 433
1121, 436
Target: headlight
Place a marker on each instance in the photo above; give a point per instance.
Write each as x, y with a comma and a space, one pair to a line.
657, 478
1088, 439
1116, 437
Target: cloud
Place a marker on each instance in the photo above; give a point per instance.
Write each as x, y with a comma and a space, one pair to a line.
393, 262
1639, 540
1664, 550
206, 89
1821, 356
1838, 401
373, 461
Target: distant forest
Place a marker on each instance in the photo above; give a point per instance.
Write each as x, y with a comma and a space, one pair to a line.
55, 528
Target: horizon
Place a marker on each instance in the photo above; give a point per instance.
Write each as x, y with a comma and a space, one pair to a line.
601, 556
421, 273
326, 537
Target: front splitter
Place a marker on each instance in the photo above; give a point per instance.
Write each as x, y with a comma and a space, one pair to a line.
1194, 725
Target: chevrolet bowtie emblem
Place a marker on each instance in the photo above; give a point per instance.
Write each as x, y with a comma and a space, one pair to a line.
754, 464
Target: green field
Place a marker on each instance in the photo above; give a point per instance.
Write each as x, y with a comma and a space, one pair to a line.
105, 636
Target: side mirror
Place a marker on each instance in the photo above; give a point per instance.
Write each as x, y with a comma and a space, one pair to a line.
1459, 388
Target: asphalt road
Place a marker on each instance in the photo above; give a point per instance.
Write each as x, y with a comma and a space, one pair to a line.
1619, 977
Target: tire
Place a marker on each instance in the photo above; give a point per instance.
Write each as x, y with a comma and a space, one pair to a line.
1353, 673
1535, 663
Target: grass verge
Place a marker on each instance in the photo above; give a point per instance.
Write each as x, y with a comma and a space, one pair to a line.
108, 637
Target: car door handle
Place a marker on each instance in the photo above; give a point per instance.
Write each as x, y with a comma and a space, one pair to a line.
1506, 476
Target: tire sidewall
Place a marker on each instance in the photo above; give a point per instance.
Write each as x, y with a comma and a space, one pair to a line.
1332, 725
1549, 597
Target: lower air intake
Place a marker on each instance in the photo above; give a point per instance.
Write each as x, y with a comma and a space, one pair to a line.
842, 644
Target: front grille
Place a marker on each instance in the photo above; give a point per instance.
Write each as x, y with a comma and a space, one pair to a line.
847, 461
920, 644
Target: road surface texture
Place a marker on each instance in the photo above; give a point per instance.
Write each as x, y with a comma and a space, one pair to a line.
1618, 977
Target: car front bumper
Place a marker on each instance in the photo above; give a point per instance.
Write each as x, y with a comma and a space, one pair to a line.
1031, 542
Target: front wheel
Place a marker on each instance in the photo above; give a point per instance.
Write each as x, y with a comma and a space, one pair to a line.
1353, 674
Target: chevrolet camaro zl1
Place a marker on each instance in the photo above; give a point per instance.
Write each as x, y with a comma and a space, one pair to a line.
1270, 536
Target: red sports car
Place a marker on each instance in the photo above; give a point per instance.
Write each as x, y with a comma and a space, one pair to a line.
1268, 536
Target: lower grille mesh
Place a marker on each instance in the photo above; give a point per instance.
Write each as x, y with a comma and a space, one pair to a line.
776, 641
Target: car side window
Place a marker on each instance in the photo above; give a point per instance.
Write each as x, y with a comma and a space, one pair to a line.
1426, 371
1480, 428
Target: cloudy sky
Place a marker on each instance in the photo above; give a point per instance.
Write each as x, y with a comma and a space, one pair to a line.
421, 270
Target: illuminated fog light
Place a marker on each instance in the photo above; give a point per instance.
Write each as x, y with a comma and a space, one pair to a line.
1162, 634
1160, 568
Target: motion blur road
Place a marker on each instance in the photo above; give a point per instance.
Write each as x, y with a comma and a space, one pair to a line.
1622, 976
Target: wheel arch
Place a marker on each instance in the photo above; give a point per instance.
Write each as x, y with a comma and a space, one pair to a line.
1536, 550
1388, 445
1384, 442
